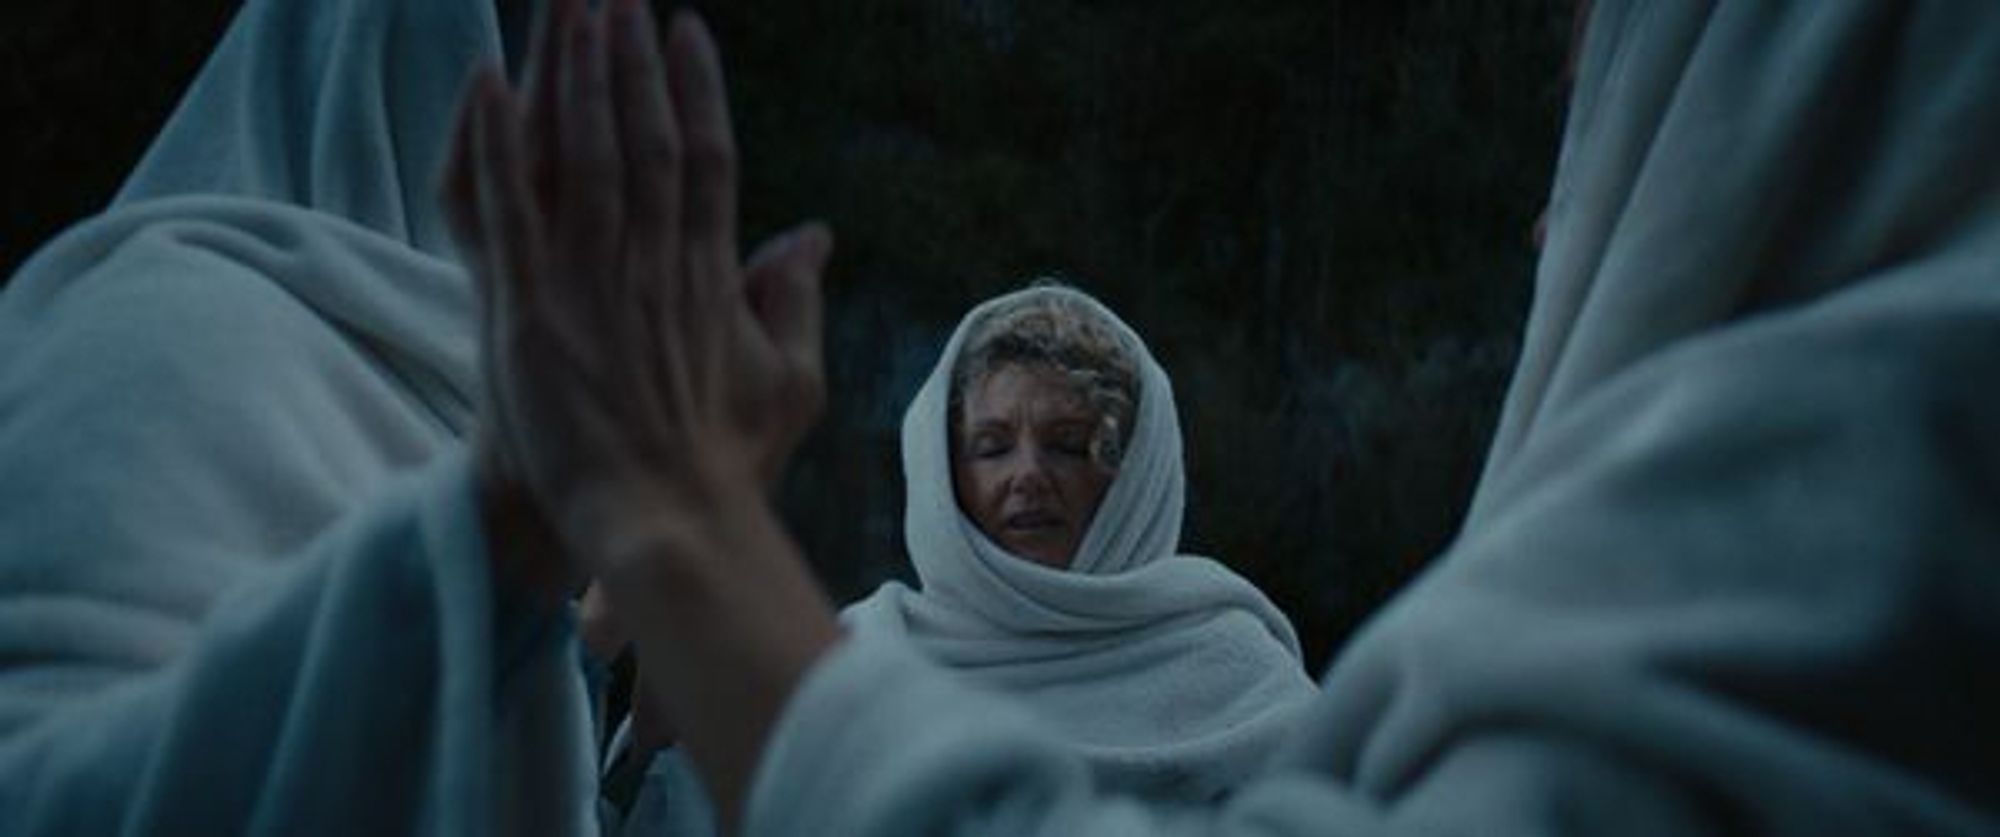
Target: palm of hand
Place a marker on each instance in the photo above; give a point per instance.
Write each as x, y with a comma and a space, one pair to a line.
634, 365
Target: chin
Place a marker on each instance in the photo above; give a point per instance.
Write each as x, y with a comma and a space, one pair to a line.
1047, 549
1047, 557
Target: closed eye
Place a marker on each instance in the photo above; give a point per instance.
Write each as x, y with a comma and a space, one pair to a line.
988, 447
1071, 440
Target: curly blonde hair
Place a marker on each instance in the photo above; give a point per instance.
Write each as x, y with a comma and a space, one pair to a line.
1063, 334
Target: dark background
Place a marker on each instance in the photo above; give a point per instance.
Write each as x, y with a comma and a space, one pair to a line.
1316, 212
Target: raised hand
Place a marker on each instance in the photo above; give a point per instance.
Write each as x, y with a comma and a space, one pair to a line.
643, 384
638, 372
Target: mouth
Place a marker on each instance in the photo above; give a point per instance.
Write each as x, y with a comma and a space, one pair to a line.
1032, 522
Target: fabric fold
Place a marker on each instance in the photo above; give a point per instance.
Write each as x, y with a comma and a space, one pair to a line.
343, 107
243, 584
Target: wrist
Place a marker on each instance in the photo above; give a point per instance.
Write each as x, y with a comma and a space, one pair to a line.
647, 535
524, 555
723, 615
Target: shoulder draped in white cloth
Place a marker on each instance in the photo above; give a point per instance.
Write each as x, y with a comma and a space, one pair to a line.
1731, 566
1175, 676
243, 585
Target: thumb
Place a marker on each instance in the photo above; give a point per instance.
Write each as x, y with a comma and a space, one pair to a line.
783, 281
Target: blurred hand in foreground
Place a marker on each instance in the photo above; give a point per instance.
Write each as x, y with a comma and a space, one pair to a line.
636, 368
643, 385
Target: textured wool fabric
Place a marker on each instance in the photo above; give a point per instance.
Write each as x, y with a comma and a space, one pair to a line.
243, 581
1731, 566
1173, 675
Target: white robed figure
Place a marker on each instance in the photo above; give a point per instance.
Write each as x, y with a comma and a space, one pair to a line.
1045, 487
244, 585
1174, 676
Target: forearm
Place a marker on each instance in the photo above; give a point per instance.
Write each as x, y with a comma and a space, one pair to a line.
725, 618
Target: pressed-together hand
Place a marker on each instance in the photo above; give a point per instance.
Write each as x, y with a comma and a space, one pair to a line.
637, 369
644, 386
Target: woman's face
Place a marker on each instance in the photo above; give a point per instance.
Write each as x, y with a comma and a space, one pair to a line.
1021, 463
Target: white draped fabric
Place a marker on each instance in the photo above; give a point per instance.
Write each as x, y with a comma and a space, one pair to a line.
1731, 567
1173, 675
243, 586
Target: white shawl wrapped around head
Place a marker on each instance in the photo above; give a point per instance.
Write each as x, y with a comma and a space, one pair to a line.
1175, 675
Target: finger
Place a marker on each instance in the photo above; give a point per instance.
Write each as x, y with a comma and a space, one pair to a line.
650, 137
507, 211
589, 195
783, 282
784, 279
709, 166
542, 78
490, 172
649, 134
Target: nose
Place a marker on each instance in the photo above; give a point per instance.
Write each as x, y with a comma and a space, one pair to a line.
1030, 475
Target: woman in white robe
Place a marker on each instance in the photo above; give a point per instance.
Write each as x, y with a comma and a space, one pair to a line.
1174, 677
